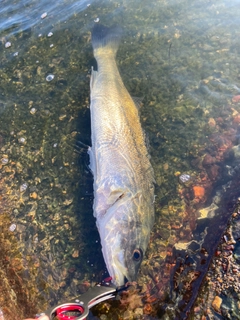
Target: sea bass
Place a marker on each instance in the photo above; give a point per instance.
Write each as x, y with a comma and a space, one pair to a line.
123, 176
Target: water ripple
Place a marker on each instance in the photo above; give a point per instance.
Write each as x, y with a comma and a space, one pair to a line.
20, 15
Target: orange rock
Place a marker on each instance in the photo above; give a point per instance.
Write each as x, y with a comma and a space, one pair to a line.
75, 254
199, 192
33, 195
216, 304
147, 309
211, 122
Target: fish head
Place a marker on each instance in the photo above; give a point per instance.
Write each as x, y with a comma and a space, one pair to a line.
124, 238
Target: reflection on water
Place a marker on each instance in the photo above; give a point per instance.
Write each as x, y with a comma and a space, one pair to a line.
18, 16
183, 59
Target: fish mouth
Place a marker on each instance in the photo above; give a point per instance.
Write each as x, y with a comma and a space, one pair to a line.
117, 268
120, 273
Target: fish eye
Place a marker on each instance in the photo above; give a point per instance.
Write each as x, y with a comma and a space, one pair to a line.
137, 254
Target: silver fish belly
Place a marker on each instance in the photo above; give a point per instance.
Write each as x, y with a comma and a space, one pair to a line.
123, 176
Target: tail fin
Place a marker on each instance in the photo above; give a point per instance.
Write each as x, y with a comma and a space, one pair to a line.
105, 38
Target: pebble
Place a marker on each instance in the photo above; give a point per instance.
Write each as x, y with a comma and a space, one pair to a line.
216, 304
96, 20
44, 15
33, 195
33, 110
12, 227
75, 254
23, 187
50, 77
15, 54
50, 34
21, 140
165, 166
4, 160
184, 178
8, 44
138, 312
212, 122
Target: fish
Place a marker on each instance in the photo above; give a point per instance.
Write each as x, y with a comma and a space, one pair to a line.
123, 177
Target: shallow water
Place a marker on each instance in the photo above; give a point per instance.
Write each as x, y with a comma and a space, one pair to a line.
183, 59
